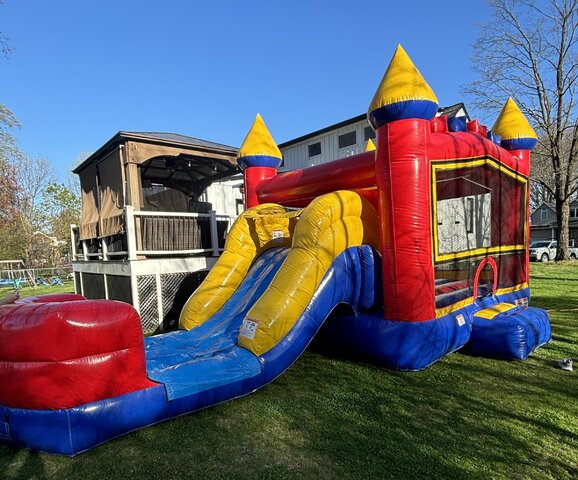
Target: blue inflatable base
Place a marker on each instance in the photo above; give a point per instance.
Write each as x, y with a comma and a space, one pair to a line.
405, 346
509, 336
404, 109
352, 280
412, 346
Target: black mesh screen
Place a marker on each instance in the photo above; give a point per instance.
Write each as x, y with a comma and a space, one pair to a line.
176, 289
119, 288
93, 284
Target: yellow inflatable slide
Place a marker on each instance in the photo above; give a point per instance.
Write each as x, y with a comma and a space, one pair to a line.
314, 236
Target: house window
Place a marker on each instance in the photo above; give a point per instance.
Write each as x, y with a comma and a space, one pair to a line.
470, 215
368, 133
239, 206
543, 214
574, 212
347, 139
315, 149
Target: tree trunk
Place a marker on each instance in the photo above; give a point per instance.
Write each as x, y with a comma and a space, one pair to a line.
562, 236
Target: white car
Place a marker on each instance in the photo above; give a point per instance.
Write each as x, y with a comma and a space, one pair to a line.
545, 250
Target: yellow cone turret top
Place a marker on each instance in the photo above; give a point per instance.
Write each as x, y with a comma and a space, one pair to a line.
259, 149
403, 93
513, 127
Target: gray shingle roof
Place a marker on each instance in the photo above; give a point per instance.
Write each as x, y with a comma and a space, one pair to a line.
452, 110
159, 137
178, 138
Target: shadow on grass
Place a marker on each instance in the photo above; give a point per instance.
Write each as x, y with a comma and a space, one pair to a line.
555, 279
461, 419
464, 417
22, 464
555, 302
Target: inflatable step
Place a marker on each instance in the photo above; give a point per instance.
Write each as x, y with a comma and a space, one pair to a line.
507, 331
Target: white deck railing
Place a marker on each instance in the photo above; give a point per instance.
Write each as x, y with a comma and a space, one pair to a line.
158, 234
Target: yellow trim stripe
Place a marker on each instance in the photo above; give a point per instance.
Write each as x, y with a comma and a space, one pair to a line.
493, 311
480, 252
515, 288
475, 162
440, 312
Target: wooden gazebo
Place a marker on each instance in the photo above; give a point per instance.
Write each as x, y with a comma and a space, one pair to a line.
147, 220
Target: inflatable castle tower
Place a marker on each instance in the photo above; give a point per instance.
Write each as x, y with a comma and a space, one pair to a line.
452, 199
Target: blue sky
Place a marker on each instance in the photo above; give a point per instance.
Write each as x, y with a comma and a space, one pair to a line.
81, 71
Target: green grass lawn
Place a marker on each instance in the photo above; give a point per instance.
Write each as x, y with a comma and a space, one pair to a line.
462, 418
27, 291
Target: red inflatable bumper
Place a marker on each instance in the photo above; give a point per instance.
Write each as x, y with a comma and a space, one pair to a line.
59, 355
51, 297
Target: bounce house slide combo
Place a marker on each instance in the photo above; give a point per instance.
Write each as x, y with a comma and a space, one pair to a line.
422, 243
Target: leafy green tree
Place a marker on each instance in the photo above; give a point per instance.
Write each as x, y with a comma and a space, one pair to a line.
10, 242
62, 208
11, 246
33, 175
9, 150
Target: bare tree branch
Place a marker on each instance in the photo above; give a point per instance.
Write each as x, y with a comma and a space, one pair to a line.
529, 51
4, 45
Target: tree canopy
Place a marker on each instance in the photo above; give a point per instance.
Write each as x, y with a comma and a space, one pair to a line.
528, 51
35, 209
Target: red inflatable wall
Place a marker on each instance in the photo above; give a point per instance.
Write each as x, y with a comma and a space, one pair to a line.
58, 355
397, 179
404, 183
298, 188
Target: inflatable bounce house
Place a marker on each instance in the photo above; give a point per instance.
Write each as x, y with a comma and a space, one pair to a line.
399, 255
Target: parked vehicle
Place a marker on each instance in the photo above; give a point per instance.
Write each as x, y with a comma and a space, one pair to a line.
545, 250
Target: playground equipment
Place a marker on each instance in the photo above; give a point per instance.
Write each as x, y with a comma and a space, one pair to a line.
424, 239
14, 274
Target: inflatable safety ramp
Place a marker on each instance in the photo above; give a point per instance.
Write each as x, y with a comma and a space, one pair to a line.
61, 355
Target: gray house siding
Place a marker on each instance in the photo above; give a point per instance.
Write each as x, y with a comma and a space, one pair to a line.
340, 140
543, 222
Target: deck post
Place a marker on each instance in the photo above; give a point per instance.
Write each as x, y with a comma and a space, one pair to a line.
130, 232
214, 233
104, 248
84, 250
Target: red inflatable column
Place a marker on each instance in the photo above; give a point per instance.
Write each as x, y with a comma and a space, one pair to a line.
400, 112
519, 138
253, 176
523, 157
404, 181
